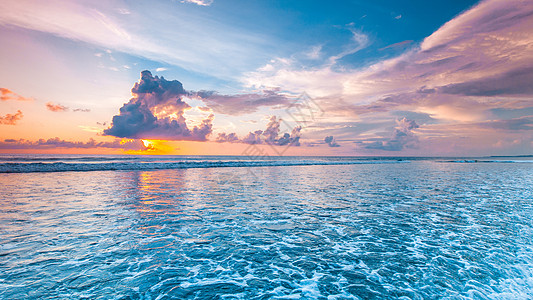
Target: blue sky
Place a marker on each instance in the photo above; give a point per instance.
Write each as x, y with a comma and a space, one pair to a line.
394, 77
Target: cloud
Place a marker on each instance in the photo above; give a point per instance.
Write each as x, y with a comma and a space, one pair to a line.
227, 138
161, 69
515, 82
10, 119
476, 64
491, 39
269, 136
199, 2
314, 52
205, 44
56, 107
242, 103
331, 142
402, 137
81, 110
397, 45
156, 112
523, 123
359, 41
253, 138
59, 143
7, 94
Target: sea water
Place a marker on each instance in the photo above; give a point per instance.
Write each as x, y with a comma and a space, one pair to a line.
132, 227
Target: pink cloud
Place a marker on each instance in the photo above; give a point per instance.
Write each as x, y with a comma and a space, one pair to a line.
7, 94
480, 61
56, 107
243, 103
10, 119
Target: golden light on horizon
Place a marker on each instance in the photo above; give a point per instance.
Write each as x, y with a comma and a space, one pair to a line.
154, 147
148, 144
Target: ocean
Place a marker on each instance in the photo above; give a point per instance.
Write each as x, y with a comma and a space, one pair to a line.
208, 227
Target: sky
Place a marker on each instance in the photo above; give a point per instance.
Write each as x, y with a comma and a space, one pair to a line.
224, 77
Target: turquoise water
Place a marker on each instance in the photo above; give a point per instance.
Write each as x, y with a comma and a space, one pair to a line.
421, 229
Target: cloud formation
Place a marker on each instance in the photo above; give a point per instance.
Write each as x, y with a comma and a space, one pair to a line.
401, 138
269, 136
515, 82
56, 107
522, 123
227, 138
59, 143
10, 119
209, 46
331, 142
477, 63
198, 2
242, 103
156, 112
81, 110
7, 94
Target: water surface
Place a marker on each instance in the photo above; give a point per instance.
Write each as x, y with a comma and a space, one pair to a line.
424, 229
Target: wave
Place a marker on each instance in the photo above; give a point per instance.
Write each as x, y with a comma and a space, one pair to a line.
470, 161
129, 166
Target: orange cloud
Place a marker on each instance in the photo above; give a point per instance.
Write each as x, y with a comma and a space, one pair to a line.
56, 107
7, 94
10, 119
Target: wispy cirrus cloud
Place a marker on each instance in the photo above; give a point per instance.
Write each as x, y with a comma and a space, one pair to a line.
7, 94
204, 44
199, 2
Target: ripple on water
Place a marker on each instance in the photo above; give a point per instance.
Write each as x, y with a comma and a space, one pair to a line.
410, 231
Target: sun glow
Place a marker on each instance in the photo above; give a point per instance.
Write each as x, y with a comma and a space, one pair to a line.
154, 147
148, 144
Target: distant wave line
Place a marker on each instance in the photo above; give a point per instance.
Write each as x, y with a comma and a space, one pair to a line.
122, 166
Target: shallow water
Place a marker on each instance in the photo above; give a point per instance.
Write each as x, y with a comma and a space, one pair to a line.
419, 230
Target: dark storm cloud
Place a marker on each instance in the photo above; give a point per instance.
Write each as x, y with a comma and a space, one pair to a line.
156, 111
